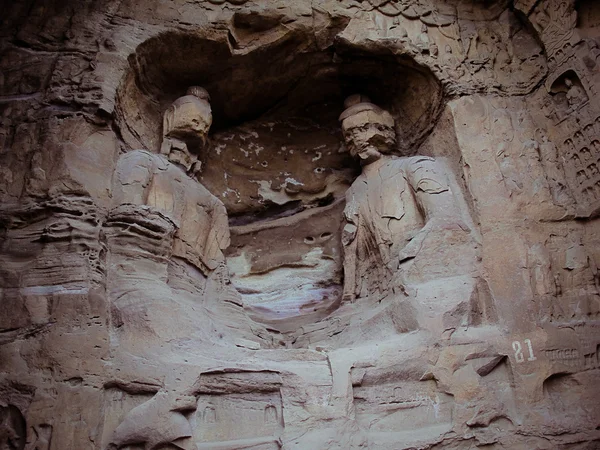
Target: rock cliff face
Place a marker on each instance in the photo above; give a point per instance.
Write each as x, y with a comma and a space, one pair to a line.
304, 225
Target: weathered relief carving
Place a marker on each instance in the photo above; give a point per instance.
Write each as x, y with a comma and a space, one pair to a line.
394, 209
12, 428
565, 284
164, 216
40, 437
499, 51
579, 154
403, 407
556, 21
154, 424
553, 167
250, 269
229, 410
238, 417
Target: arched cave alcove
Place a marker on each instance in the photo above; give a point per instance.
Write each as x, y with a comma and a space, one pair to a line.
276, 158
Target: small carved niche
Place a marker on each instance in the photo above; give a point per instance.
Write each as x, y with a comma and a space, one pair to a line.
12, 428
209, 415
270, 414
568, 93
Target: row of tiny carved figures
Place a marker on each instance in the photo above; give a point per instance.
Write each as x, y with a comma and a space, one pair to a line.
588, 173
561, 54
572, 358
591, 193
585, 155
209, 415
584, 169
568, 49
588, 137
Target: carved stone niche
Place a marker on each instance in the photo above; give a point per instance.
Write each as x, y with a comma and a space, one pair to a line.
228, 409
402, 407
568, 93
238, 408
12, 428
576, 127
276, 158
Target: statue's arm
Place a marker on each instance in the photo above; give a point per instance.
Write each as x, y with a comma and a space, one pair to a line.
350, 219
217, 237
349, 245
435, 199
219, 220
429, 182
221, 225
132, 176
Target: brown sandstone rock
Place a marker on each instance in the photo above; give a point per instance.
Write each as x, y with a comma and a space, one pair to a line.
203, 247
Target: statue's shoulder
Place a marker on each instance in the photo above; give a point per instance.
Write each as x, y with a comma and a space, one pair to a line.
392, 167
425, 174
419, 159
403, 163
133, 155
418, 163
142, 157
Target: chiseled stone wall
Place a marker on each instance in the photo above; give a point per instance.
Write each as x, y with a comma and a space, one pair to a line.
302, 225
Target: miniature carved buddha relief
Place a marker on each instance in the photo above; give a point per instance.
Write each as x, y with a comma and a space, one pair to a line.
568, 94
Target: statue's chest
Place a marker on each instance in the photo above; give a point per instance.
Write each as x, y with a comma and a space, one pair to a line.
383, 193
387, 204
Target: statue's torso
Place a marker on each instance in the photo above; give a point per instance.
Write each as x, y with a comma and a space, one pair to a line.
200, 219
387, 208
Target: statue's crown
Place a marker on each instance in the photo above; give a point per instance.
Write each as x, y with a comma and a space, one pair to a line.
357, 104
199, 92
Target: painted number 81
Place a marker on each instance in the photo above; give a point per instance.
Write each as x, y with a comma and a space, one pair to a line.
519, 357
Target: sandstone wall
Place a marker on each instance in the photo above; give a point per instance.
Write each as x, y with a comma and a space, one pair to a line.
154, 303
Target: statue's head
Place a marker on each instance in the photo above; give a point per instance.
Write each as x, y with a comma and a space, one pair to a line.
185, 128
189, 118
368, 130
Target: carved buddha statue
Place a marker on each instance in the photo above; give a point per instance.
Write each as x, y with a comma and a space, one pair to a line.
393, 206
576, 96
165, 183
161, 215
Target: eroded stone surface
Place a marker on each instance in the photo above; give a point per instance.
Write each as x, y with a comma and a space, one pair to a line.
204, 247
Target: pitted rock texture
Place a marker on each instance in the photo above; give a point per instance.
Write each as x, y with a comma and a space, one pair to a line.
292, 224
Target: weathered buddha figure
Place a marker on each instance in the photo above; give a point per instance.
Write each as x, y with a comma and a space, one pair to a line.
164, 185
185, 128
167, 231
576, 96
397, 207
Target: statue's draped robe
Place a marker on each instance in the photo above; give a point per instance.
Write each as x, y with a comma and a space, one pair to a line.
384, 211
166, 233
